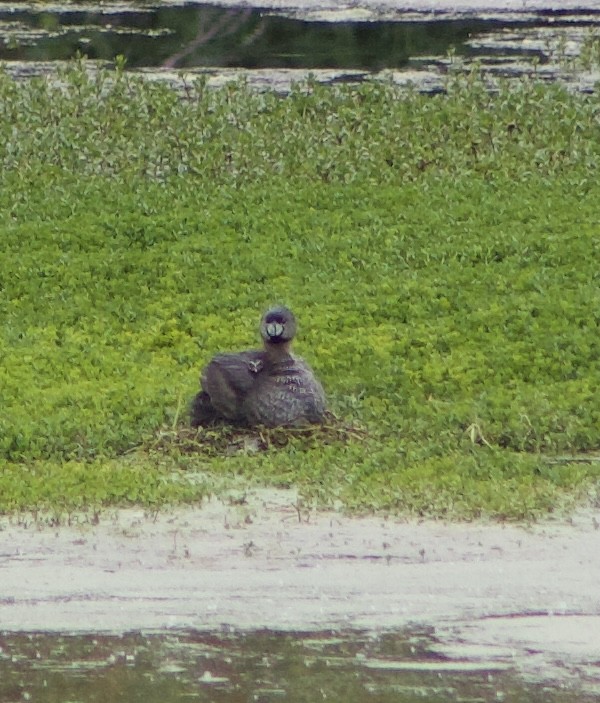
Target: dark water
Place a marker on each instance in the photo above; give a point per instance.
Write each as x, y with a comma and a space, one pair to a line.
197, 35
350, 667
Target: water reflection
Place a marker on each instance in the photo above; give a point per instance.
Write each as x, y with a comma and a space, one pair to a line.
259, 666
199, 35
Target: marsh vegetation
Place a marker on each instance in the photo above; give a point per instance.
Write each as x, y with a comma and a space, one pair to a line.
442, 250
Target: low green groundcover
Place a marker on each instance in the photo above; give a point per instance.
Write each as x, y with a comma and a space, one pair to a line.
441, 254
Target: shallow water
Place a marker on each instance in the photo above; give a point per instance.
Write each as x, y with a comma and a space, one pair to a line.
205, 35
256, 666
353, 41
378, 600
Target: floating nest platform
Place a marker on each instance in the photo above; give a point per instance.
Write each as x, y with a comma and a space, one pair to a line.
228, 440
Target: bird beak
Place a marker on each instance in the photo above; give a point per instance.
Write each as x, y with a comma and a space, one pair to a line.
275, 329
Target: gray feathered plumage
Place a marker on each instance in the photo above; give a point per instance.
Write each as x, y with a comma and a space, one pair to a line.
269, 387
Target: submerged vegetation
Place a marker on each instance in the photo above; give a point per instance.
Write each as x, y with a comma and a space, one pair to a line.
441, 254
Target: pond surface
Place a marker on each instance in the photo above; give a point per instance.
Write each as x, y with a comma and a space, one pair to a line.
352, 667
205, 35
237, 599
167, 36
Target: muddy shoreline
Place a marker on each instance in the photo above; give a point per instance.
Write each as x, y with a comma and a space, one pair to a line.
527, 596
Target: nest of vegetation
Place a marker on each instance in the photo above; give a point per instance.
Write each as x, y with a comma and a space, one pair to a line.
228, 440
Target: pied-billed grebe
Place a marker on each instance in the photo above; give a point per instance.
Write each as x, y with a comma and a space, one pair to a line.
269, 387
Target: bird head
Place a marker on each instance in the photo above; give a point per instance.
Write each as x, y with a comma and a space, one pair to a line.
278, 325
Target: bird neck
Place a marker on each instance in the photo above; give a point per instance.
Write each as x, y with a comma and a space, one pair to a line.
277, 352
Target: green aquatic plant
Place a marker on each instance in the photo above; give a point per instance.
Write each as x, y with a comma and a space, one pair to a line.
443, 248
